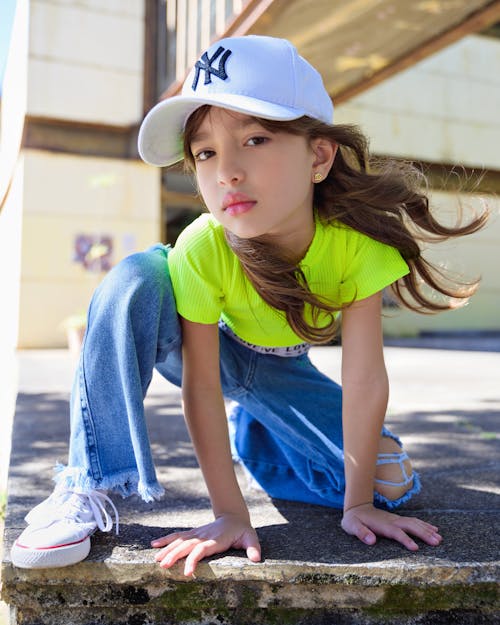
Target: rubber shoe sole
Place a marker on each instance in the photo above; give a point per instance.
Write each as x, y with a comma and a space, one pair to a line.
49, 557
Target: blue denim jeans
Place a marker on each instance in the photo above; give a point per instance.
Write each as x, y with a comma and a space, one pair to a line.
287, 426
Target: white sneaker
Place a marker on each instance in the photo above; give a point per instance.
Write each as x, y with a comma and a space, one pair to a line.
59, 529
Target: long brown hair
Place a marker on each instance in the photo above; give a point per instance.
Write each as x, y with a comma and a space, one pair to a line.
385, 200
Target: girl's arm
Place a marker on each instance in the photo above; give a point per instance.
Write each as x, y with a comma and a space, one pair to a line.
365, 391
206, 419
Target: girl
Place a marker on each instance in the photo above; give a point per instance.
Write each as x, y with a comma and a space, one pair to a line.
300, 232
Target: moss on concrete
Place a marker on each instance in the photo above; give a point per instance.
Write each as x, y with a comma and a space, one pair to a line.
411, 600
220, 603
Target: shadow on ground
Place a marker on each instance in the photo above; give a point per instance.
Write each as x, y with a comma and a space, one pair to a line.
456, 454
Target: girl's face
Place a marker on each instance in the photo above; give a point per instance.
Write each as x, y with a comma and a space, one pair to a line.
253, 181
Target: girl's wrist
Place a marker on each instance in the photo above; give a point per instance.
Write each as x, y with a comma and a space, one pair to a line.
242, 518
358, 505
241, 511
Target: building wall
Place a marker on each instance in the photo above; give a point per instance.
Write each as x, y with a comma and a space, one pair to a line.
67, 197
445, 110
82, 64
476, 256
86, 60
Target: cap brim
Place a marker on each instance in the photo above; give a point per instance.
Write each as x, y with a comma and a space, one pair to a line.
160, 134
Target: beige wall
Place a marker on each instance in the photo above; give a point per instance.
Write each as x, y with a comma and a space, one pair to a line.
65, 196
473, 256
77, 61
86, 60
445, 110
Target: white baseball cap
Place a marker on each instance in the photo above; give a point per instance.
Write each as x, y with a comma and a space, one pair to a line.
256, 75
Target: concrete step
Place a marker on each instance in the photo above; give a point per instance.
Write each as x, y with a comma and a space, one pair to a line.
311, 573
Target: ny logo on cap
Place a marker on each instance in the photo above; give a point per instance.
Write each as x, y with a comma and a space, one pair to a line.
205, 64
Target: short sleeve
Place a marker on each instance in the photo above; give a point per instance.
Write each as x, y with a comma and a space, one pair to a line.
370, 266
196, 270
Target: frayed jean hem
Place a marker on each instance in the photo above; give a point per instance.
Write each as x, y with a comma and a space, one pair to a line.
126, 483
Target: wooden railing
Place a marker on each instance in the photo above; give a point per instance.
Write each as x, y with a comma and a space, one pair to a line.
192, 25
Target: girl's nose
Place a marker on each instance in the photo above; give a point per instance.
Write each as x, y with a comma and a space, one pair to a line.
229, 172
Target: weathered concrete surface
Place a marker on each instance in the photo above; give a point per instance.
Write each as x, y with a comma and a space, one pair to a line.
444, 404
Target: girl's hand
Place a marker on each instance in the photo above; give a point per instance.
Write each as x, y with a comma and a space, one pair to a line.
226, 532
366, 522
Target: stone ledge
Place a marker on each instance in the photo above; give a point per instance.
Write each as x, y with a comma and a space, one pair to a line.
229, 591
134, 567
252, 616
120, 584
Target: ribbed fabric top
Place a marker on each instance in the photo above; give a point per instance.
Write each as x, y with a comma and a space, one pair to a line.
341, 265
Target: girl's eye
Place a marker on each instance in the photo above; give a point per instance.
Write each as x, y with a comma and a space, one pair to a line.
257, 140
203, 155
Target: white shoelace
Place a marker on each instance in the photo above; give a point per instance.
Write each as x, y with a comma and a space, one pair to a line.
69, 504
97, 502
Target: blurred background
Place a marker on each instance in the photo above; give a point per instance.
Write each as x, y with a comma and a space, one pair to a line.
422, 79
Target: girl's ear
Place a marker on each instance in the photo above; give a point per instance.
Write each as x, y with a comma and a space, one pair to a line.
324, 152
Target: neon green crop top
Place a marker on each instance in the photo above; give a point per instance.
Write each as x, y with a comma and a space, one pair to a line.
209, 284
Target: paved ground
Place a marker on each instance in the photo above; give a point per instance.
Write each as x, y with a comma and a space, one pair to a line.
445, 405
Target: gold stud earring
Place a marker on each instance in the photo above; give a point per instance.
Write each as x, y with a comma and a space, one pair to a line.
317, 177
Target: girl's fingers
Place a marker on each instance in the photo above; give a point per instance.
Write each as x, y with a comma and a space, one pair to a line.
196, 544
388, 530
356, 528
210, 547
177, 552
432, 527
402, 537
401, 527
253, 553
369, 522
200, 551
167, 539
426, 532
169, 548
250, 542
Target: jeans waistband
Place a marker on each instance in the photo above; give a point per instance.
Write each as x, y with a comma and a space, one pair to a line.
285, 352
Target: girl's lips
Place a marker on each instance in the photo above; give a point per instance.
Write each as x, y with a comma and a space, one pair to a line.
237, 203
238, 208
